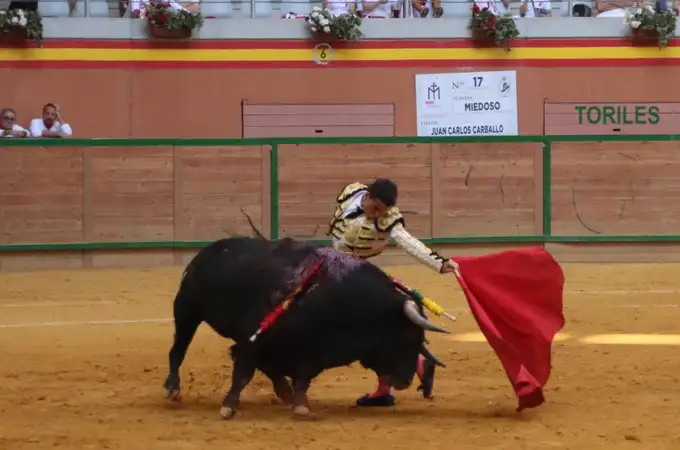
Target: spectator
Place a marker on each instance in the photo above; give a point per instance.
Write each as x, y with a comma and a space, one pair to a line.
582, 10
534, 8
135, 8
338, 7
8, 126
614, 8
51, 125
421, 8
492, 6
380, 9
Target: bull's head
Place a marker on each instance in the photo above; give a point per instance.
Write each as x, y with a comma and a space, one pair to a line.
401, 359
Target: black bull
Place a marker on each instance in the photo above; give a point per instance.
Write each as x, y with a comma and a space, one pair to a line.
351, 313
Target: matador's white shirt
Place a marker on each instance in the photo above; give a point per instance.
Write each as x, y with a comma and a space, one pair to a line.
353, 232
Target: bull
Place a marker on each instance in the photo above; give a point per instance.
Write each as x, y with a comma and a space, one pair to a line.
351, 313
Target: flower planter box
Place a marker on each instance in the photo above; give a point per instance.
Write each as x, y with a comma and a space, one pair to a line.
168, 33
13, 35
644, 37
482, 37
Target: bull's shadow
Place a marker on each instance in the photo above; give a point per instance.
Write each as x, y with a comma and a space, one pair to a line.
263, 407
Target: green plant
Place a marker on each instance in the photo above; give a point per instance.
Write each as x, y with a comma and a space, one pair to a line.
649, 20
488, 26
162, 15
29, 21
344, 27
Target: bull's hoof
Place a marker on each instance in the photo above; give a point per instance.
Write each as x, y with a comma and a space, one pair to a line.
302, 412
228, 413
172, 395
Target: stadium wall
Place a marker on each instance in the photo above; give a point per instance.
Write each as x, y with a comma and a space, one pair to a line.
112, 203
107, 88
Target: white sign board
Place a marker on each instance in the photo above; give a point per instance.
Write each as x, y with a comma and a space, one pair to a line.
467, 104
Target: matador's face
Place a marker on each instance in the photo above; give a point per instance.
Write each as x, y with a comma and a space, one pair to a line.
373, 208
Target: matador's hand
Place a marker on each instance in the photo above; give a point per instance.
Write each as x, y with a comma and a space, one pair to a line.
450, 266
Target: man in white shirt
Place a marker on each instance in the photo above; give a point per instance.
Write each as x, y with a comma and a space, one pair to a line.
339, 7
535, 8
136, 8
51, 125
8, 126
611, 8
379, 9
365, 218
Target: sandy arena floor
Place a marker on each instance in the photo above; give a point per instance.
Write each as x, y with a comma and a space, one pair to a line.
71, 384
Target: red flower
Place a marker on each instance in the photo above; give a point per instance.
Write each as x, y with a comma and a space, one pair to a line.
475, 9
492, 20
163, 18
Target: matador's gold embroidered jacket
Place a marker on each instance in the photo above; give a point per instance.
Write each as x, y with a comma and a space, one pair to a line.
354, 233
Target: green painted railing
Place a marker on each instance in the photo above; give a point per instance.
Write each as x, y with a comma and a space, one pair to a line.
547, 141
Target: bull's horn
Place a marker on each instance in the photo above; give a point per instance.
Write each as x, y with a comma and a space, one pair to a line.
428, 354
411, 311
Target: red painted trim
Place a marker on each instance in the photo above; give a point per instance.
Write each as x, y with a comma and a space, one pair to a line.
251, 44
337, 64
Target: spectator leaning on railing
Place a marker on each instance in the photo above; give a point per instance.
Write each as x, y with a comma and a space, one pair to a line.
51, 124
527, 8
338, 7
379, 9
535, 8
8, 126
615, 8
135, 8
421, 8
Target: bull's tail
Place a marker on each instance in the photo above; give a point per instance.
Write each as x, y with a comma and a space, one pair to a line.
252, 225
187, 319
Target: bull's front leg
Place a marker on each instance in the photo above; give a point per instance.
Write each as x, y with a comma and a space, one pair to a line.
300, 403
242, 374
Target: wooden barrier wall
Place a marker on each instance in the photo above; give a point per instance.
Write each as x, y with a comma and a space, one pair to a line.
108, 194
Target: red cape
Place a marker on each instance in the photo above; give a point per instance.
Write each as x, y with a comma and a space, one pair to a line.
516, 299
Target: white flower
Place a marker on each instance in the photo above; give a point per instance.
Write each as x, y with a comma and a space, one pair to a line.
316, 15
3, 12
327, 29
638, 11
314, 29
23, 21
323, 22
649, 8
316, 9
14, 21
635, 23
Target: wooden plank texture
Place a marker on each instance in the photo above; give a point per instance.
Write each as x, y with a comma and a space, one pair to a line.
41, 195
216, 182
487, 189
315, 120
132, 194
311, 131
616, 188
312, 176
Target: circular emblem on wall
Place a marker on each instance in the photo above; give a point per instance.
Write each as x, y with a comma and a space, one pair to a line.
323, 54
